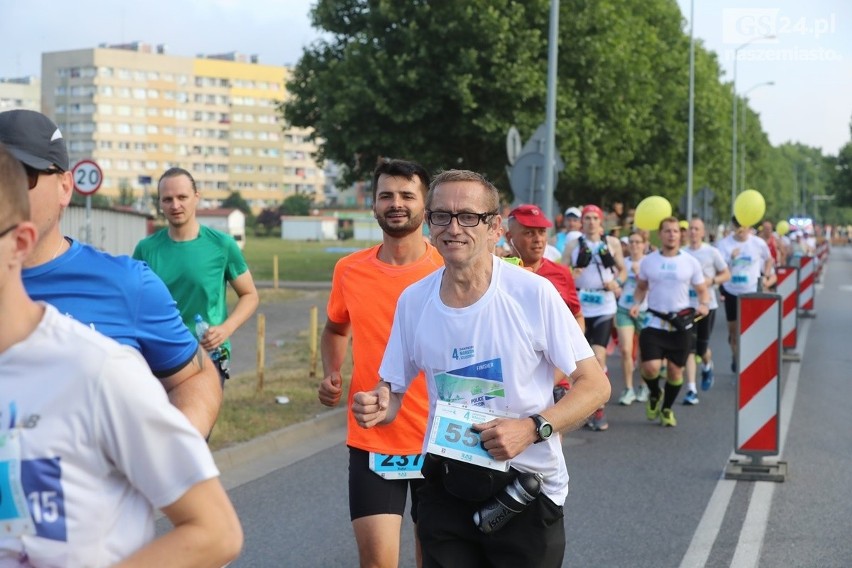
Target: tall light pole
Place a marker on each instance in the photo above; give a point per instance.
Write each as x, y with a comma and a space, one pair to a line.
734, 119
550, 110
745, 132
691, 143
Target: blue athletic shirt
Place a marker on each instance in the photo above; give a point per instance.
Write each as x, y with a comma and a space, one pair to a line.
121, 298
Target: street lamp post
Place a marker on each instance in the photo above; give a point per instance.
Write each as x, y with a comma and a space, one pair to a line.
691, 142
745, 132
734, 119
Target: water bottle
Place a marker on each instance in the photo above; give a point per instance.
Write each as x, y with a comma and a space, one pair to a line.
508, 503
201, 328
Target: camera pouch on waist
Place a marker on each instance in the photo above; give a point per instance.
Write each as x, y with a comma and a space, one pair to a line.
681, 321
471, 482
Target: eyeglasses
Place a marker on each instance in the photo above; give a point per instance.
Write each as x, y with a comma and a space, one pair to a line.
444, 218
636, 242
8, 230
33, 174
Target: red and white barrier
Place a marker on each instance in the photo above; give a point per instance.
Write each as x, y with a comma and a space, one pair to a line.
821, 258
759, 362
788, 288
807, 279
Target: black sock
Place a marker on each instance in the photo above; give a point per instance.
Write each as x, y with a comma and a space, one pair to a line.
653, 386
671, 394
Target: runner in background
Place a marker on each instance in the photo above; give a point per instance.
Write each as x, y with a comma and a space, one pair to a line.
597, 267
527, 235
628, 327
715, 272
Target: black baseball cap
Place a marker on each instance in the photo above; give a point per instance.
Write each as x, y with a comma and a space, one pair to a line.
33, 139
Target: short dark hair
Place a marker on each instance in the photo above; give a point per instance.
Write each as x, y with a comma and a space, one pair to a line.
15, 201
175, 172
492, 198
401, 168
670, 219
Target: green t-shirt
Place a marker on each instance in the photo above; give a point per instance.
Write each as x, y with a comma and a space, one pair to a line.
196, 272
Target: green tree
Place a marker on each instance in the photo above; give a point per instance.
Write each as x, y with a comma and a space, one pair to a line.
296, 204
267, 220
125, 193
437, 82
235, 201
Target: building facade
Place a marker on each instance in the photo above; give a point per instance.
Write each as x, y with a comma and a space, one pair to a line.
138, 111
20, 92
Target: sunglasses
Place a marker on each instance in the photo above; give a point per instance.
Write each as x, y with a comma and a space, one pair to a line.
33, 174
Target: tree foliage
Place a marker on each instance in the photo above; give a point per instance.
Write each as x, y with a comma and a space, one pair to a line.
442, 82
436, 82
235, 201
297, 204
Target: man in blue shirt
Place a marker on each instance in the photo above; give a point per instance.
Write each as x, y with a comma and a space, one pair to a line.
116, 296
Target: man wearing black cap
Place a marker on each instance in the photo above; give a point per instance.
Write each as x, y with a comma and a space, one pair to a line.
119, 297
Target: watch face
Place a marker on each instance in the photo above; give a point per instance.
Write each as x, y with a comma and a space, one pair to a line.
545, 431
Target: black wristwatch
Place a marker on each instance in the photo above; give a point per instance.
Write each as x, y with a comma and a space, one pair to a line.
543, 428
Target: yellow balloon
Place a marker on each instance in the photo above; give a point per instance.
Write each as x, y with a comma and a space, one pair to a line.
651, 211
783, 227
749, 207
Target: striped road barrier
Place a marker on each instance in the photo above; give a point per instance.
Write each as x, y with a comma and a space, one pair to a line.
758, 389
807, 279
788, 288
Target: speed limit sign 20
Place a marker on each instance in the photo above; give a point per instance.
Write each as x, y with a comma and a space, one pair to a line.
87, 177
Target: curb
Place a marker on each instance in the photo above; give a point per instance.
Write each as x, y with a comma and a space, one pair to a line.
279, 440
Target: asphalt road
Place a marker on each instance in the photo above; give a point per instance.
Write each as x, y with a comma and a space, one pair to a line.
641, 495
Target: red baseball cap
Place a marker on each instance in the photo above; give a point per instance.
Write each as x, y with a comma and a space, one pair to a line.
593, 209
530, 216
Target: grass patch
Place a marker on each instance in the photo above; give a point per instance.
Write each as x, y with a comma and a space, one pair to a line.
247, 413
301, 261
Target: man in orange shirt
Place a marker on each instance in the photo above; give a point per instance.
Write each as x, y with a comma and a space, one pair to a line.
384, 462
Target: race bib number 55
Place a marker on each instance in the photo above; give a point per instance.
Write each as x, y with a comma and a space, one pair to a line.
453, 436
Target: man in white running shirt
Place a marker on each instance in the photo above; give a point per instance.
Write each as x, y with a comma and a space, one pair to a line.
665, 276
750, 262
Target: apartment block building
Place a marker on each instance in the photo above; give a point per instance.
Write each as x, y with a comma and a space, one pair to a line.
138, 111
20, 92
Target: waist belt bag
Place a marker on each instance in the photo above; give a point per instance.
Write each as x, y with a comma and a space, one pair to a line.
467, 481
681, 321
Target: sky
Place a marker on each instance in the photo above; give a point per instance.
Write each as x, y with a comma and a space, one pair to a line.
809, 60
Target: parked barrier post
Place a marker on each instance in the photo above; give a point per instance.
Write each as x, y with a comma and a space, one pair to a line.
807, 279
758, 389
313, 341
261, 349
788, 288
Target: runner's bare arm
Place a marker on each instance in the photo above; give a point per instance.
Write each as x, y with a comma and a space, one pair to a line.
196, 391
334, 343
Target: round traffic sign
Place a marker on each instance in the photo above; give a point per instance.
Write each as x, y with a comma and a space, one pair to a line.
87, 177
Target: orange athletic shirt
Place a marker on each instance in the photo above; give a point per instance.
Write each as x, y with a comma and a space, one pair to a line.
364, 292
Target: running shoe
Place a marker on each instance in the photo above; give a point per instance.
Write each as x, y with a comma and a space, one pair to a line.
627, 397
691, 398
642, 394
652, 407
667, 417
597, 421
707, 378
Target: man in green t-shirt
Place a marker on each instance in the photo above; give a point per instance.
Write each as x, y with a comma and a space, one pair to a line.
196, 262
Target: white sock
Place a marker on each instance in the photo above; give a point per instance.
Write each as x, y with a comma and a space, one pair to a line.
707, 366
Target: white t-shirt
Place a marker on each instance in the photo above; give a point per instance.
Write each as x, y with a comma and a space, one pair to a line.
594, 300
628, 291
712, 263
748, 264
499, 353
100, 445
669, 279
